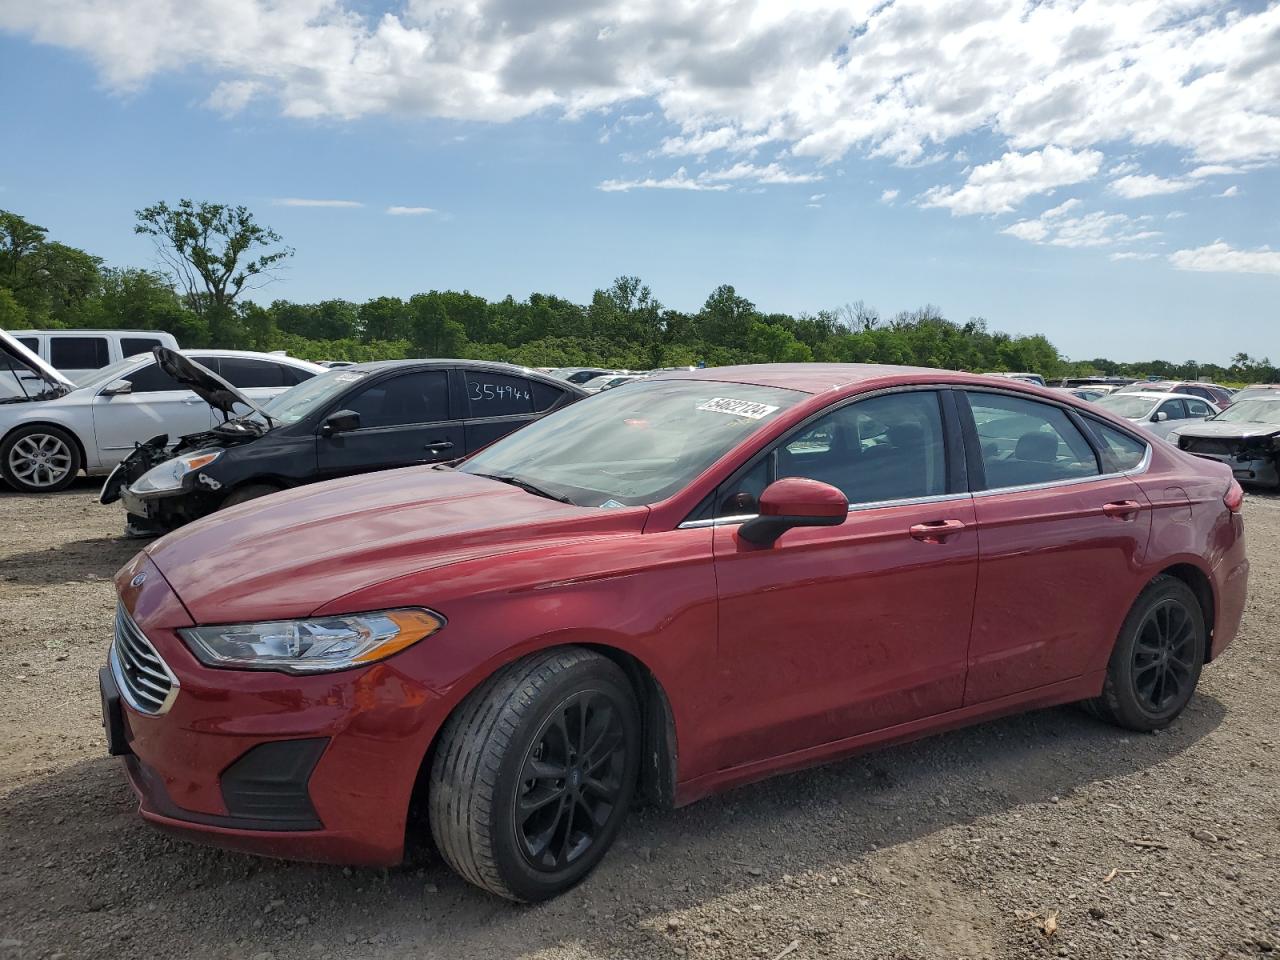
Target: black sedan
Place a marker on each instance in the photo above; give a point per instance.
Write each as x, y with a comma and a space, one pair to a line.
370, 416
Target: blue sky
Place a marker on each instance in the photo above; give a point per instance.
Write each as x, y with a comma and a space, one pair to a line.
809, 170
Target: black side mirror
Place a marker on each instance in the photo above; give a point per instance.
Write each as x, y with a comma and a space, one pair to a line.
117, 388
340, 421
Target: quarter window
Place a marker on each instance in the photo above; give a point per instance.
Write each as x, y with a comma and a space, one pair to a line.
421, 397
79, 353
497, 395
1026, 442
1126, 452
1198, 408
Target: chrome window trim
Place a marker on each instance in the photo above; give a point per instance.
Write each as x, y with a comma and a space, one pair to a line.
853, 508
1140, 469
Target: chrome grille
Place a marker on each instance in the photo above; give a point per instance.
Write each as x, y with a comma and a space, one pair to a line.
145, 680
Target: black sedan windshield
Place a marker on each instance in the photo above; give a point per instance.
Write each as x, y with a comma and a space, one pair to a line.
296, 402
633, 446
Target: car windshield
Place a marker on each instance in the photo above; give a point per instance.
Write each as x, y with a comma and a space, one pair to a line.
296, 402
1255, 393
1127, 405
1252, 411
100, 378
631, 447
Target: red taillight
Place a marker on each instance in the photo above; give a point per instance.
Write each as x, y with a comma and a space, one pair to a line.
1234, 497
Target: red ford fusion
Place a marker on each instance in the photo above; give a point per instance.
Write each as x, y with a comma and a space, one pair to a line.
698, 581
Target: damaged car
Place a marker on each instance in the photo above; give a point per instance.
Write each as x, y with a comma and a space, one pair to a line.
1245, 436
52, 429
356, 419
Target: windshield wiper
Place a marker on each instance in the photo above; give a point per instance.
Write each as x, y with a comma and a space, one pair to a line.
526, 486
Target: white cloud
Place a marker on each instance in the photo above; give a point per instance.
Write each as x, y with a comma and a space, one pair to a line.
1221, 257
1060, 209
1098, 229
410, 211
1001, 185
1231, 191
720, 179
1149, 185
1175, 214
816, 197
1132, 255
306, 202
888, 196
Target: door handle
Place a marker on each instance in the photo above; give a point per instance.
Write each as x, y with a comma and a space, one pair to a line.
1122, 509
440, 445
192, 401
936, 531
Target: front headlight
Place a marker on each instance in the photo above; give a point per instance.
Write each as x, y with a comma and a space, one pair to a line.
168, 475
311, 646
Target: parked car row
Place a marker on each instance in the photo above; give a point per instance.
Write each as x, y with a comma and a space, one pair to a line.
693, 582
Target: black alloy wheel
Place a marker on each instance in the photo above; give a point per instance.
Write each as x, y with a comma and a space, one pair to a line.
1164, 655
571, 781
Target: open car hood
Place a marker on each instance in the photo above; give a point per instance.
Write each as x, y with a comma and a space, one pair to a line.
17, 358
208, 385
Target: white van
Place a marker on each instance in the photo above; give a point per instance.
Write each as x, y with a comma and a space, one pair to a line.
78, 353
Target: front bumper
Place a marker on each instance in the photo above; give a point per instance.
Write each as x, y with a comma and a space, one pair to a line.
160, 513
315, 768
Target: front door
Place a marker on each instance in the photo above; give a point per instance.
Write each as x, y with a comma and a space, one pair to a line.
156, 404
1062, 530
837, 631
405, 419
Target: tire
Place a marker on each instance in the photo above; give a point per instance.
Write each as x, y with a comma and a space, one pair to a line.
250, 491
40, 459
528, 838
1157, 659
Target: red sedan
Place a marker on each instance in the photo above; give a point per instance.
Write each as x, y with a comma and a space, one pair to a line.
698, 581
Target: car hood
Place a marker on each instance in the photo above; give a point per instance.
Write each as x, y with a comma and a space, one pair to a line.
1219, 428
15, 355
210, 387
291, 553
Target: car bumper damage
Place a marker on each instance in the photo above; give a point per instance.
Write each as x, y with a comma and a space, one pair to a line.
298, 767
1252, 460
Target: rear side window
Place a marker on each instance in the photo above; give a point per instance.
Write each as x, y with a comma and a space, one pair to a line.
1126, 452
132, 346
545, 396
1175, 409
497, 395
294, 375
1025, 442
151, 379
1198, 408
244, 372
79, 353
409, 398
31, 343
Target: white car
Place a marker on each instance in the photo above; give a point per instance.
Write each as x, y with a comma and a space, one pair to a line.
50, 429
1158, 413
79, 354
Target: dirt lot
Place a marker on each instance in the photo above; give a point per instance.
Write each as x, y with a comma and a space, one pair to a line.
959, 846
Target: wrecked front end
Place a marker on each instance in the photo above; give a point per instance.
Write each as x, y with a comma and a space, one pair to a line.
164, 486
1253, 458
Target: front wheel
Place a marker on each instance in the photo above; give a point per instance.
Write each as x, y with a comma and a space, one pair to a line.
40, 459
534, 773
1156, 663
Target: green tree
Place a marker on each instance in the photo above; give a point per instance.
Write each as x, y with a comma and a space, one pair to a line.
214, 252
384, 318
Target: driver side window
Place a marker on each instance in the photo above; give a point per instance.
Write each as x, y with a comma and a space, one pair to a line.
885, 448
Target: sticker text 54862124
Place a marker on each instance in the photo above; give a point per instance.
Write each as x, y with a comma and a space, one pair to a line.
737, 408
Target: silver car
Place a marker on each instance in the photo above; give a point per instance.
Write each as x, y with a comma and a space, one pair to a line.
50, 429
1158, 413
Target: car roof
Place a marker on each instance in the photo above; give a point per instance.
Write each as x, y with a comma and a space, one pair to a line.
249, 354
819, 377
492, 366
1155, 395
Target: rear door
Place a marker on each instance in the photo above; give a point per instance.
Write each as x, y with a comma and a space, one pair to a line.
157, 404
259, 380
1062, 532
498, 403
405, 419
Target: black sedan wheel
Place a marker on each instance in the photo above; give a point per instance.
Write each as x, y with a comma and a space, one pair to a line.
39, 459
1157, 659
534, 773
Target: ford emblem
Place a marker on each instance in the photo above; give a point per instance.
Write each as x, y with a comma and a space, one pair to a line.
139, 580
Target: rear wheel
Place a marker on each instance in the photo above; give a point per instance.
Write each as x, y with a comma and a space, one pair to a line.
1157, 659
40, 459
534, 774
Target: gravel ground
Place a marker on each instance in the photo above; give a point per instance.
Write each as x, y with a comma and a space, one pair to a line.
1043, 835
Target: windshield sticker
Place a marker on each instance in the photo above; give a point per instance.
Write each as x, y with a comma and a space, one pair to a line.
611, 504
738, 408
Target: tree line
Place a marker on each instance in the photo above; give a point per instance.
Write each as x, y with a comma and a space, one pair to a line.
213, 256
